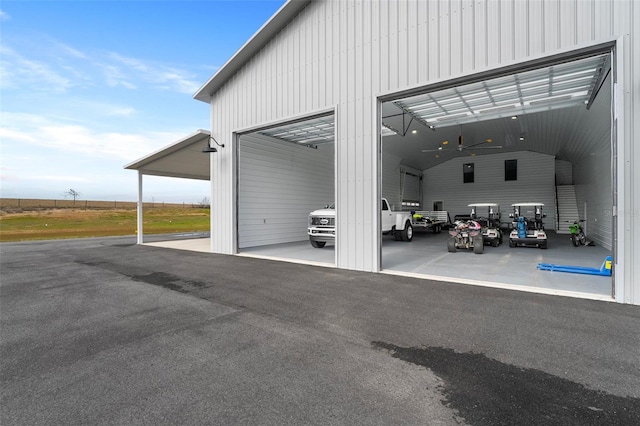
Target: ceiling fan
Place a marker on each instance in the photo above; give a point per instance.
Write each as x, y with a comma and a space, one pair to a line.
461, 146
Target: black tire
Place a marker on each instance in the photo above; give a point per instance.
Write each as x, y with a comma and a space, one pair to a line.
407, 232
317, 244
512, 243
543, 246
574, 240
397, 234
478, 245
583, 239
451, 245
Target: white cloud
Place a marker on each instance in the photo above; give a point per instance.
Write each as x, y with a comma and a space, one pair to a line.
74, 138
68, 50
115, 77
58, 178
59, 67
18, 71
157, 75
4, 16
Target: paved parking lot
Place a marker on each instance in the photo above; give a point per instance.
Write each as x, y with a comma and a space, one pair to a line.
102, 331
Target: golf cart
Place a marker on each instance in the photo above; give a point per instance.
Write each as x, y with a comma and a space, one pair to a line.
528, 228
491, 233
466, 234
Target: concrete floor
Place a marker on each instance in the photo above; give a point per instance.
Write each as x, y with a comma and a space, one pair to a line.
427, 257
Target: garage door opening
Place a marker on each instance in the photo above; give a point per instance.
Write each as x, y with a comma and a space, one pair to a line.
285, 172
541, 136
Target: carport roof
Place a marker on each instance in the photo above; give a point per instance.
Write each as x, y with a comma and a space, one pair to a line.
182, 159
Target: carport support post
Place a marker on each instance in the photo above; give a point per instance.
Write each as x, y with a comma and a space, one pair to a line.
139, 228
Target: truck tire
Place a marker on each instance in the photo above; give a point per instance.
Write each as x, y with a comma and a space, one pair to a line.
451, 245
407, 232
317, 244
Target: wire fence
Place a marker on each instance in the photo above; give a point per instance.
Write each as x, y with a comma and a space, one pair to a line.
9, 204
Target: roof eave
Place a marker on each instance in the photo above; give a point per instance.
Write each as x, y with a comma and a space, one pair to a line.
279, 19
163, 152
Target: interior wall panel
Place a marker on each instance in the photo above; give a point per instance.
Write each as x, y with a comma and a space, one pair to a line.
279, 183
535, 183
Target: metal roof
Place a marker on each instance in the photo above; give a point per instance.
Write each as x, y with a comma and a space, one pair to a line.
281, 18
182, 159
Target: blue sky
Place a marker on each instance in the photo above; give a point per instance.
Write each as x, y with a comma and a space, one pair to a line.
89, 86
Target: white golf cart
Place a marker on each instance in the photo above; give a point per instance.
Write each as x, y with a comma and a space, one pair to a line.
528, 227
488, 214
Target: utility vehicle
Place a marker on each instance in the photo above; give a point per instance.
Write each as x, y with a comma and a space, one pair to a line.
491, 233
466, 234
527, 226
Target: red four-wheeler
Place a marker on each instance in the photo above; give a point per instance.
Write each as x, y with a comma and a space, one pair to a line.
466, 234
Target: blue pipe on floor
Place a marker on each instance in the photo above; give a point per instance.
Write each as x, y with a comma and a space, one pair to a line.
605, 269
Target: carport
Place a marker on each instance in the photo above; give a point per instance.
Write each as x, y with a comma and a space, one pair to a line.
181, 159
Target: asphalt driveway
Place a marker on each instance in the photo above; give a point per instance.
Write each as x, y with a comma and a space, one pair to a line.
102, 331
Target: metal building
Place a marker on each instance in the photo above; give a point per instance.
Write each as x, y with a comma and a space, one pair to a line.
322, 103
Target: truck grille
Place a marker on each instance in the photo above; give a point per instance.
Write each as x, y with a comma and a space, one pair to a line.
323, 221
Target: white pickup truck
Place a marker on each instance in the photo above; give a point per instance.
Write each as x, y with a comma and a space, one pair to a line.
322, 224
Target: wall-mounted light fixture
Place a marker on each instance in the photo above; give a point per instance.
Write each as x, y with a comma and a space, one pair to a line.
210, 148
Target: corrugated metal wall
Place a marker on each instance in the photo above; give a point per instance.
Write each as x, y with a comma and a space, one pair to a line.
399, 182
592, 171
535, 183
279, 183
345, 53
391, 179
564, 172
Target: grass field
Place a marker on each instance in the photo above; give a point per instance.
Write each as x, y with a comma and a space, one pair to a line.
76, 223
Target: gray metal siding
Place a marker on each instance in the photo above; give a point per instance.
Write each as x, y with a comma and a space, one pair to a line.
345, 53
391, 179
535, 184
279, 184
592, 171
564, 172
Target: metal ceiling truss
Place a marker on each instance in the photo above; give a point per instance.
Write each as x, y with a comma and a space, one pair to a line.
309, 133
405, 125
552, 87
